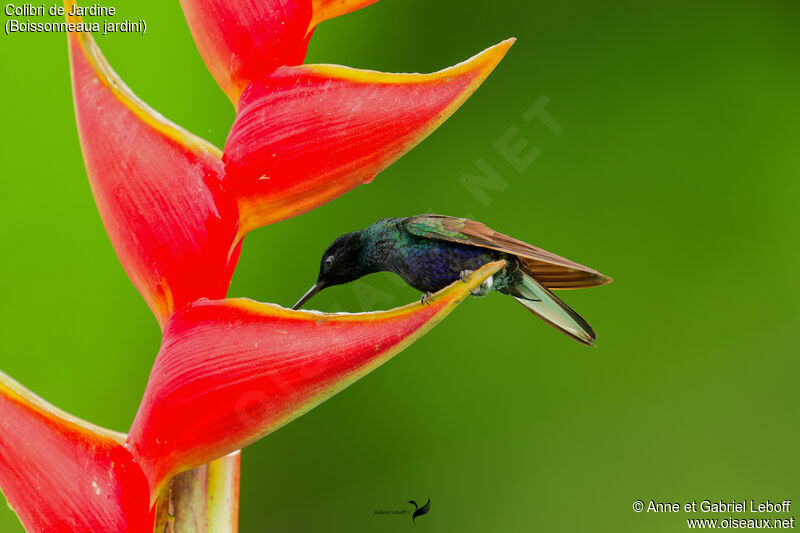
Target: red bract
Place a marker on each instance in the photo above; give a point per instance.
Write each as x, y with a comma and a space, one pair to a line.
176, 210
306, 135
231, 371
158, 189
242, 41
61, 474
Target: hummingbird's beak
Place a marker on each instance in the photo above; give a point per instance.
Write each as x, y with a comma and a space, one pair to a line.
318, 286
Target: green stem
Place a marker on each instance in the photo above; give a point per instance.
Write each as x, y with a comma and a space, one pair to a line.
202, 500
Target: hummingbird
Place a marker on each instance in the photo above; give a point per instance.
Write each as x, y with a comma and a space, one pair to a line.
429, 252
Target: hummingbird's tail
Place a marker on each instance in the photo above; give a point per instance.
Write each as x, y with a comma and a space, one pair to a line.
547, 306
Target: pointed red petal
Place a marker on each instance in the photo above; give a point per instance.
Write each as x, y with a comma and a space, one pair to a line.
157, 187
231, 371
242, 41
308, 134
328, 9
61, 474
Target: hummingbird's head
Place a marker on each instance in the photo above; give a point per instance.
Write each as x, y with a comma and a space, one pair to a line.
341, 263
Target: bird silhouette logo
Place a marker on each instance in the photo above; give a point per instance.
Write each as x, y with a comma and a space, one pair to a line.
419, 511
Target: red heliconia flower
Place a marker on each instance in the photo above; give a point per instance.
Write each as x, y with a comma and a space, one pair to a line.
176, 210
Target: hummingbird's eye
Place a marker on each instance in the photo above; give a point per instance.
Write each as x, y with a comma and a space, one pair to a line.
328, 263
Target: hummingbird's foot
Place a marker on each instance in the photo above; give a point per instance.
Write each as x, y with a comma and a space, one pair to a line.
426, 299
484, 288
465, 275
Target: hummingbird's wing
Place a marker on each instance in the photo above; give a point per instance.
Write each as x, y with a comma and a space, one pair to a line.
547, 306
551, 270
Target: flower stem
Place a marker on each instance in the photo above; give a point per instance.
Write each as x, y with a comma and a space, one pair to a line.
202, 500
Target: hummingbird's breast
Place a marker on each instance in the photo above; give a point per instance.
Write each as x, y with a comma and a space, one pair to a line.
429, 265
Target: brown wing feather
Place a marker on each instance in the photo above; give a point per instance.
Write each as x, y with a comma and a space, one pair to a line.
551, 270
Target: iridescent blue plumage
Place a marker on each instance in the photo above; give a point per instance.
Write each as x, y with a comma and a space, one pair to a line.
429, 252
428, 265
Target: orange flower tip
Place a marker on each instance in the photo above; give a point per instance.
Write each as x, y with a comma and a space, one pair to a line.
481, 64
487, 60
327, 9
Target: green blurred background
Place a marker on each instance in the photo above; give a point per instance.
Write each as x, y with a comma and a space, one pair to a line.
676, 173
